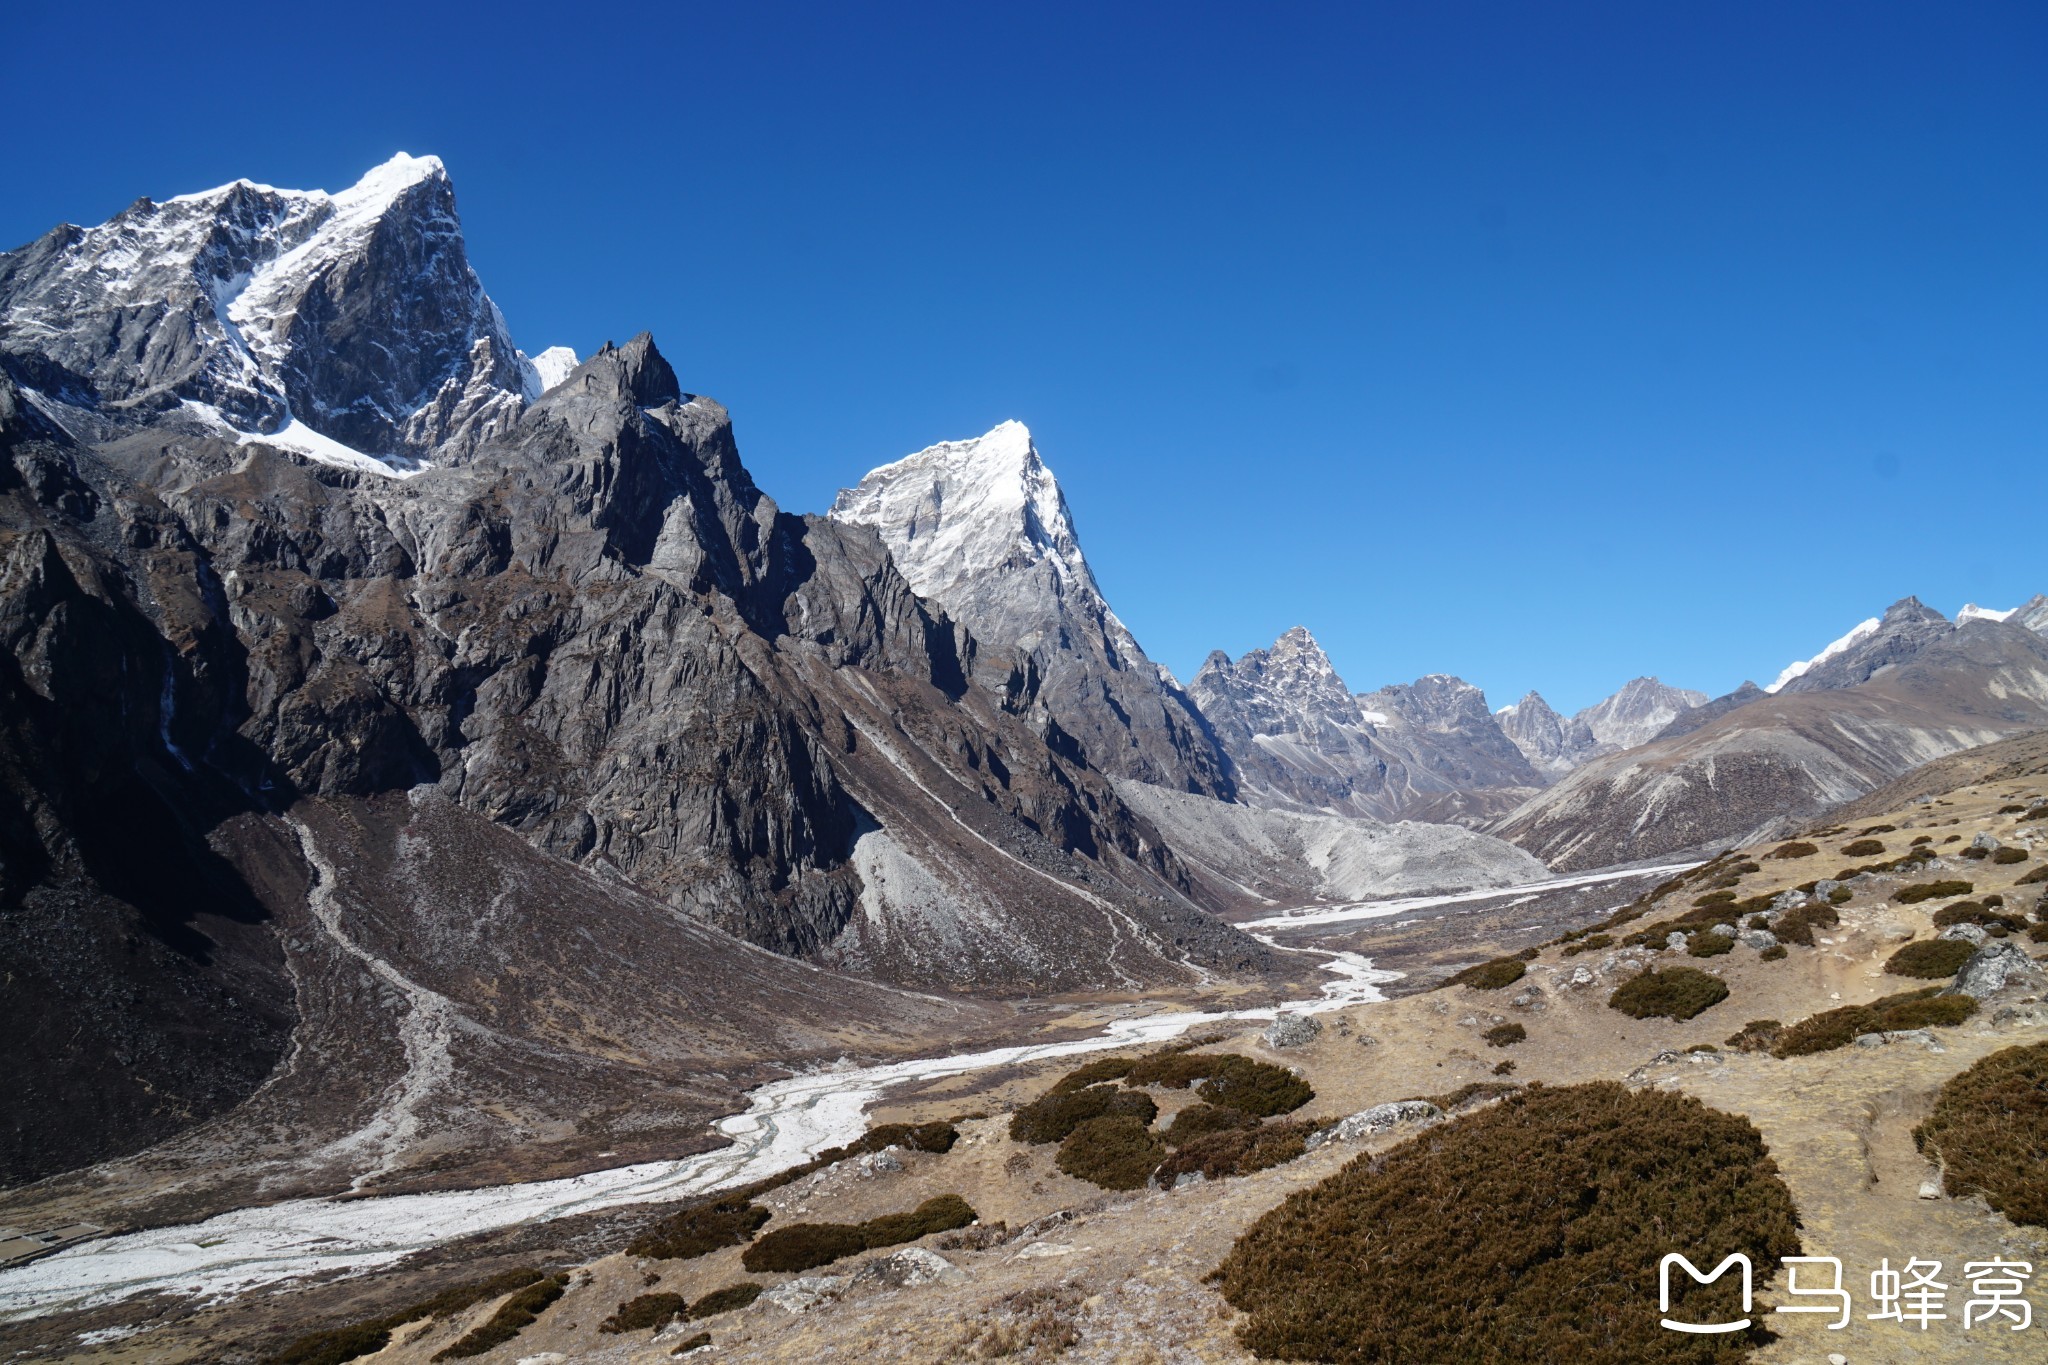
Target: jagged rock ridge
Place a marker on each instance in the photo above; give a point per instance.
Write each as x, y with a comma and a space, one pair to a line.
1299, 739
582, 623
1898, 691
353, 317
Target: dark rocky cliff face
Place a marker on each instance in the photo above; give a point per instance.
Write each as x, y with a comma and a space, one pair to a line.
596, 632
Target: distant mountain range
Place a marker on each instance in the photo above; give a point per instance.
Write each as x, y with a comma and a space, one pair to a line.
370, 688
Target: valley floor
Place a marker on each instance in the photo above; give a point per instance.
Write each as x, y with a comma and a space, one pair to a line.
1122, 1276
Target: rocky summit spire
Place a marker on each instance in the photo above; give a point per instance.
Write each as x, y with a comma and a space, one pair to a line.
347, 322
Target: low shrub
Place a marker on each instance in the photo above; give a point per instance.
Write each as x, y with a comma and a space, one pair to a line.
1116, 1152
1505, 1035
725, 1300
1490, 976
1972, 912
689, 1344
1841, 895
1974, 853
2038, 933
1759, 922
1876, 829
2034, 878
1990, 1130
1777, 952
514, 1316
1518, 1234
1240, 1151
1797, 926
337, 1345
1200, 1120
1504, 1068
1052, 1116
1707, 944
1757, 1035
645, 1313
1102, 1069
1863, 848
1174, 1070
1798, 848
2012, 810
1931, 959
1590, 943
1679, 993
1714, 898
1836, 1028
806, 1246
2009, 855
803, 1246
1923, 839
698, 1231
1258, 1088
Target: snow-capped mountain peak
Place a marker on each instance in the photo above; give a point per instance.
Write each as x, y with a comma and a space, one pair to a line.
351, 317
960, 509
981, 528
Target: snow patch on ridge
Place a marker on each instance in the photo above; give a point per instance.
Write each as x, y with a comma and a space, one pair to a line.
548, 369
1847, 642
1972, 612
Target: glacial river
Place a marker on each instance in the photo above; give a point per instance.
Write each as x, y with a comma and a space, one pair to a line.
787, 1123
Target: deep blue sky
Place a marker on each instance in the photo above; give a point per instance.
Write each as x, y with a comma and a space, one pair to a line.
1543, 344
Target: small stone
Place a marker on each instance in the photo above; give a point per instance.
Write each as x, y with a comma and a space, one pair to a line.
1837, 1358
1787, 900
1965, 933
1674, 939
1991, 968
804, 1294
1293, 1030
911, 1268
1725, 930
1930, 1189
1579, 979
1759, 939
1040, 1250
884, 1162
1987, 843
1825, 887
1378, 1119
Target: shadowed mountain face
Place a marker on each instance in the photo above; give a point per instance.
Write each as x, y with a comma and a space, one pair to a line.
581, 624
1892, 699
